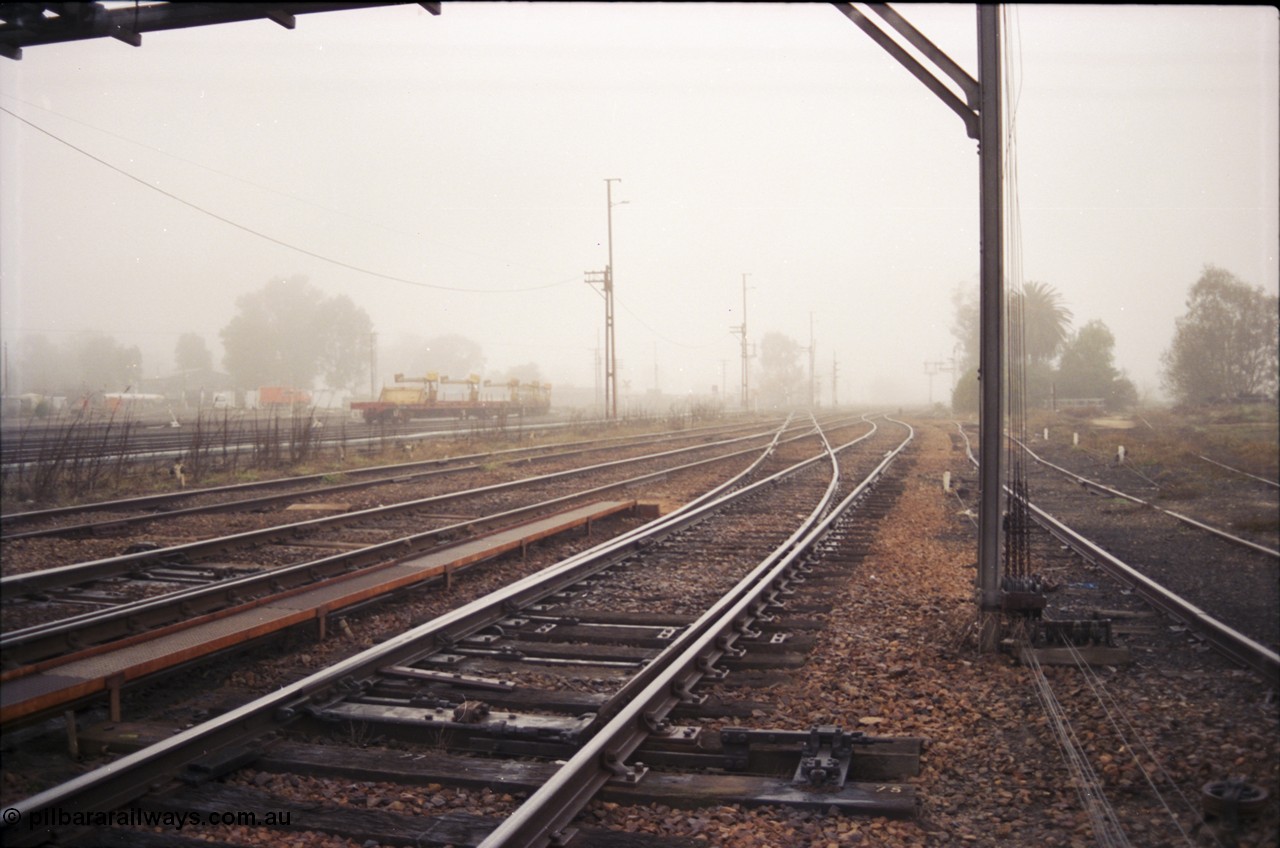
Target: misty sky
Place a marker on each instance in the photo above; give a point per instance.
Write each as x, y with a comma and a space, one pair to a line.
467, 153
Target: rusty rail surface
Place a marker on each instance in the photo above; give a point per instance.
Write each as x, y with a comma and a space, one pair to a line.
1226, 639
128, 778
392, 473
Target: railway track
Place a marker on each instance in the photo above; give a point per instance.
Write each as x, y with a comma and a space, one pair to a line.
394, 502
77, 520
90, 437
51, 664
222, 433
1224, 587
614, 655
880, 619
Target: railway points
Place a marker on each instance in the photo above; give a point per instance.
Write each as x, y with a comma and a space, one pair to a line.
493, 682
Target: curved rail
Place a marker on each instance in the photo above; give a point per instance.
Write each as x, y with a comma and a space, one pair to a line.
399, 472
543, 817
67, 575
129, 777
1272, 483
1229, 641
1107, 490
128, 620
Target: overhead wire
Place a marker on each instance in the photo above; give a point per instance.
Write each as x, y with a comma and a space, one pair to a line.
657, 333
1102, 815
1017, 553
277, 241
255, 185
1116, 716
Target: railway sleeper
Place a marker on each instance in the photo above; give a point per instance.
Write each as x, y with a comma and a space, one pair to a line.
875, 766
360, 825
524, 699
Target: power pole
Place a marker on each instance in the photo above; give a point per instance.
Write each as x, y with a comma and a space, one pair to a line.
611, 361
935, 367
600, 279
373, 366
813, 386
600, 404
835, 374
741, 331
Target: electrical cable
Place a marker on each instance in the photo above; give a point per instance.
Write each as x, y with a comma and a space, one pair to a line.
338, 262
1017, 553
1106, 825
260, 187
1111, 709
664, 338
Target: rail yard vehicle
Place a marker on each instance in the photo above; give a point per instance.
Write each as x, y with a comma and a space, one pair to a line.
434, 396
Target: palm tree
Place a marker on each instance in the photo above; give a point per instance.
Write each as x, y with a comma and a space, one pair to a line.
1046, 323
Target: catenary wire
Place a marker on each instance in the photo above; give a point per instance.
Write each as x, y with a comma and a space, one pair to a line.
338, 262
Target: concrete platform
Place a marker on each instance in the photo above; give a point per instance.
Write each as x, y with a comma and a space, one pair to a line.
105, 669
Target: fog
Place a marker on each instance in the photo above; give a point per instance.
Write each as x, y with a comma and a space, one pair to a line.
448, 175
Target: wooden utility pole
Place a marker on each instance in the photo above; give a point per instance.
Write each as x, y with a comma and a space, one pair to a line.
741, 330
835, 375
813, 385
611, 354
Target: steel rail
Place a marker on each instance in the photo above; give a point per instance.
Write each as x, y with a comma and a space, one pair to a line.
631, 689
129, 620
543, 818
404, 475
1226, 639
1229, 641
150, 439
398, 472
246, 442
74, 573
1272, 483
131, 776
1107, 490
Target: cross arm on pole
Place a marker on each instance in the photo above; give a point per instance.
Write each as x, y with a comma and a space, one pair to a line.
919, 71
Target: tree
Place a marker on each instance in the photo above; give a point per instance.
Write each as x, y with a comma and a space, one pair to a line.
964, 325
965, 329
1046, 323
42, 367
192, 354
1038, 326
344, 330
106, 365
1087, 370
782, 381
1225, 346
287, 333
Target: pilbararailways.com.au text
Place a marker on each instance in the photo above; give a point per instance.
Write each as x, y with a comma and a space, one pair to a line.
57, 817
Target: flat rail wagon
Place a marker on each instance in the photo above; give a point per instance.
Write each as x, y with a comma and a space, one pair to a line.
434, 396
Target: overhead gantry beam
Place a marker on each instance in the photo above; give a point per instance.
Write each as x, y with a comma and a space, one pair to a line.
32, 24
967, 109
980, 111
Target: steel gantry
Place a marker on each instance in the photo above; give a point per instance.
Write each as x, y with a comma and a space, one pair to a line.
980, 111
31, 24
